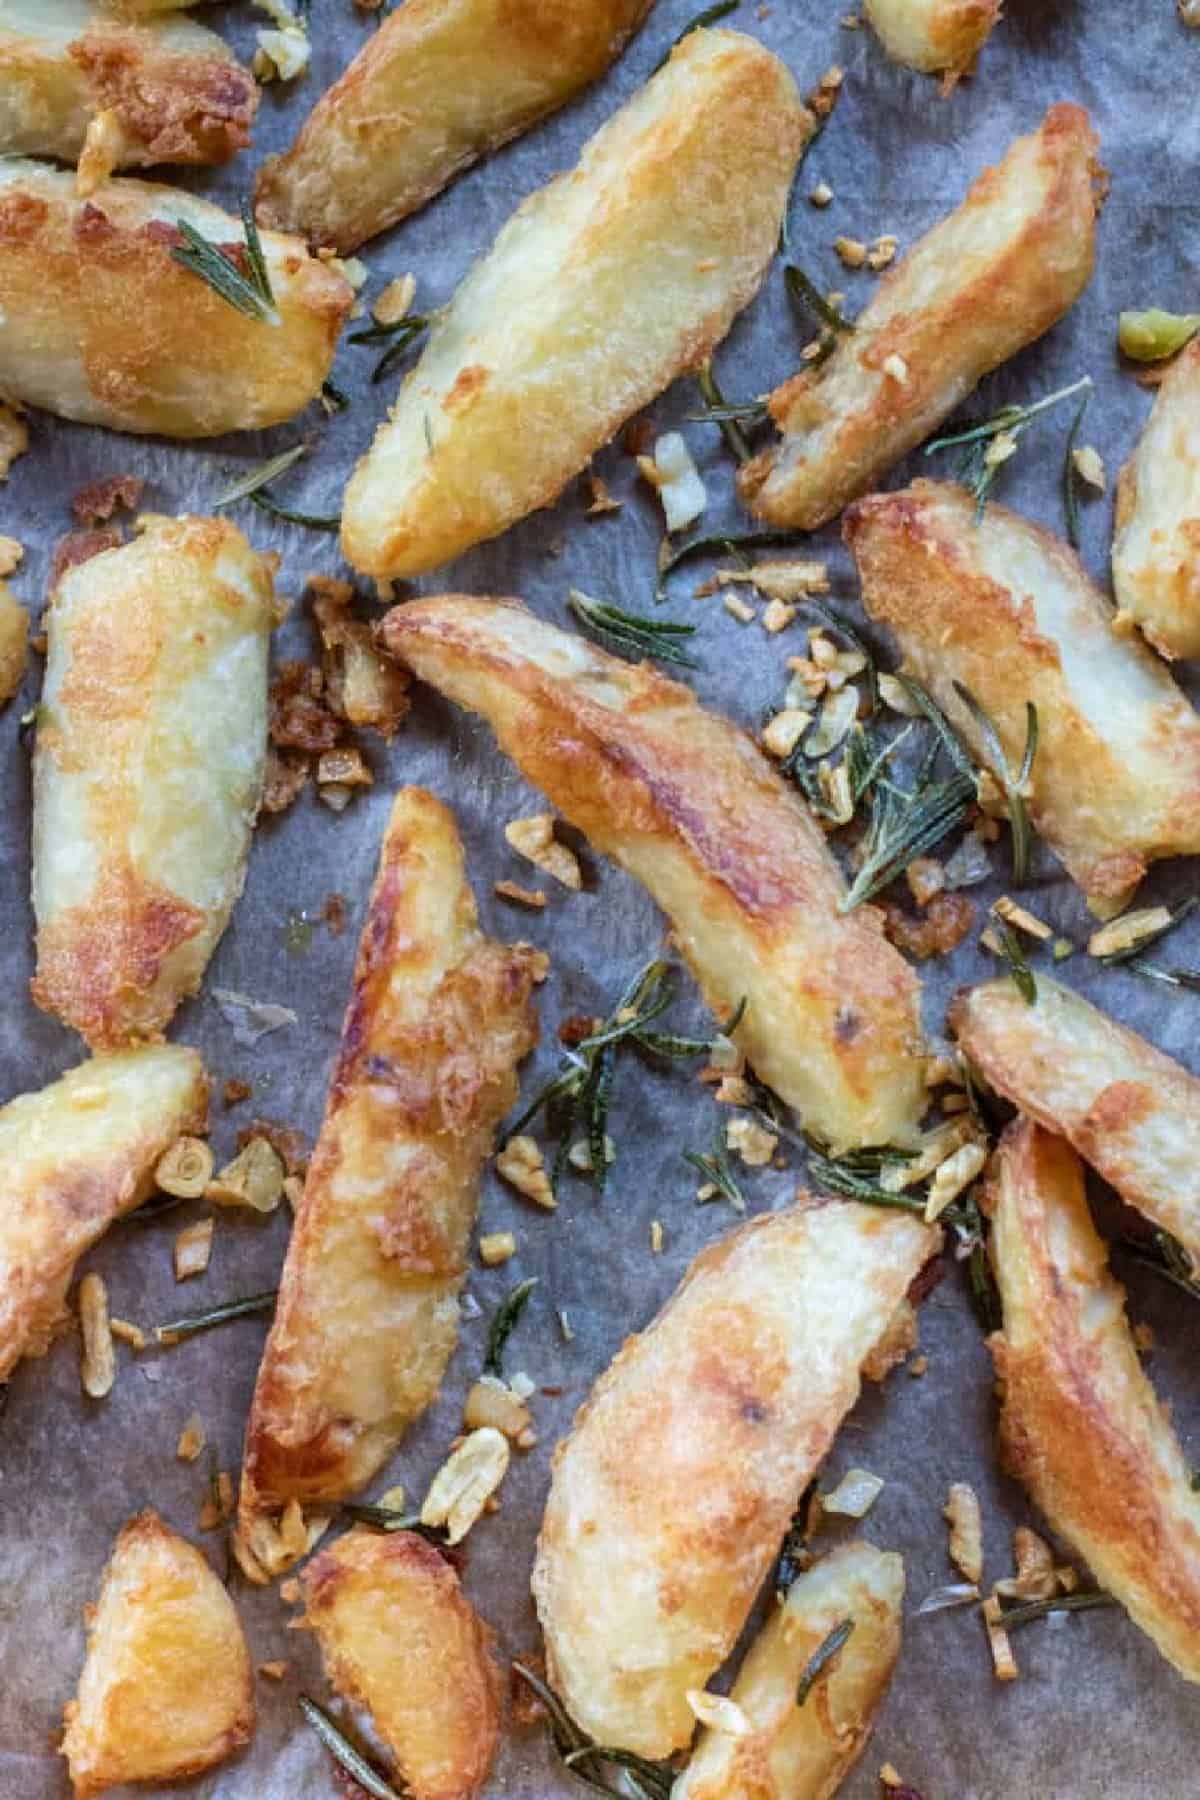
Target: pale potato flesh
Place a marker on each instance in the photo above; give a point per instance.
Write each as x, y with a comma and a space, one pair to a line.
166, 1690
805, 1752
1008, 609
151, 744
1156, 551
133, 340
685, 802
367, 1315
600, 290
670, 1496
935, 36
984, 282
1080, 1424
438, 85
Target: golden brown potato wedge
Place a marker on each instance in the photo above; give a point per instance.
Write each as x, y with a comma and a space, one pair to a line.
166, 1689
367, 1315
1081, 1425
938, 37
76, 1156
98, 322
671, 1494
399, 1637
14, 643
175, 91
804, 1752
1128, 1109
1007, 609
623, 274
151, 744
685, 802
1156, 551
440, 84
987, 280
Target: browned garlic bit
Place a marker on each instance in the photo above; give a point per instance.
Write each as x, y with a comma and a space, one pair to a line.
97, 1368
520, 1163
466, 1481
534, 839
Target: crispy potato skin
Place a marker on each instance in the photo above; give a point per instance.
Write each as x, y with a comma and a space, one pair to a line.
1128, 1109
805, 1752
176, 88
14, 643
440, 84
367, 1315
166, 1690
984, 282
1008, 609
1081, 1425
938, 37
1156, 551
623, 273
77, 1155
134, 341
669, 1497
399, 1636
685, 802
151, 746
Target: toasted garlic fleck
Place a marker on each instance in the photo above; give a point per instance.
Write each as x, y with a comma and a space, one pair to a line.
534, 839
896, 369
274, 1671
896, 697
281, 55
778, 617
98, 1367
1062, 948
753, 1143
491, 1402
1089, 466
854, 1495
673, 473
580, 1154
965, 1519
925, 876
185, 1169
1022, 918
951, 1177
821, 195
936, 1146
1035, 1578
392, 304
656, 1236
343, 767
193, 1249
192, 1439
497, 1247
733, 1090
883, 251
601, 501
1129, 930
133, 1335
254, 1178
718, 1713
782, 733
103, 147
780, 580
738, 608
520, 1163
888, 1774
838, 713
465, 1483
523, 896
1004, 1663
852, 252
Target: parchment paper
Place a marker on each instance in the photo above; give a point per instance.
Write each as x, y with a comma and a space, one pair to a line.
1097, 1711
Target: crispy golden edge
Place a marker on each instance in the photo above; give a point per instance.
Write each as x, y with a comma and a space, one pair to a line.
439, 1017
936, 37
1080, 1424
683, 800
105, 1726
1156, 543
399, 1637
486, 74
946, 340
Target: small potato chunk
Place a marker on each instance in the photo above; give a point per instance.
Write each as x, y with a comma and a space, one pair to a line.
400, 1638
986, 281
166, 1689
14, 643
1080, 1424
804, 1752
938, 37
1156, 551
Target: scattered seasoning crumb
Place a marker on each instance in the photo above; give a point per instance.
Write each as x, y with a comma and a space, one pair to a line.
918, 1366
290, 1145
1022, 919
1004, 1662
534, 839
777, 580
520, 1163
965, 1519
600, 500
496, 1247
1089, 466
235, 1091
948, 919
192, 1439
274, 1671
523, 896
733, 1090
854, 1495
821, 195
492, 1402
926, 877
738, 608
851, 251
130, 1334
218, 1507
656, 1237
193, 1249
896, 696
752, 1142
777, 617
98, 1367
1035, 1578
289, 1591
887, 1774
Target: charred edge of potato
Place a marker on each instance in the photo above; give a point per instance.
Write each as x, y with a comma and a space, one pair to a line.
1156, 549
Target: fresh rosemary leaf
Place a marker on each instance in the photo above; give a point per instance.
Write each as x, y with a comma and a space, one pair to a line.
314, 521
336, 399
1184, 978
399, 339
988, 443
719, 412
259, 476
1013, 785
580, 1756
905, 825
1040, 1609
1167, 1257
344, 1753
631, 634
822, 1658
249, 294
1131, 955
947, 737
1071, 475
807, 294
717, 1169
711, 15
504, 1323
838, 1175
1013, 952
721, 543
177, 1329
259, 275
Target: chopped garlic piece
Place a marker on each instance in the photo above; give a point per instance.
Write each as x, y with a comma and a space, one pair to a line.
778, 617
1004, 1662
896, 369
852, 252
738, 608
1022, 918
97, 1367
1129, 930
1035, 1578
677, 479
466, 1482
185, 1170
821, 195
854, 1495
782, 733
965, 1519
534, 839
281, 55
753, 1143
780, 580
392, 304
254, 1178
1089, 466
520, 1163
193, 1249
192, 1439
656, 1236
497, 1247
951, 1177
133, 1335
936, 1146
896, 697
838, 713
718, 1713
103, 148
491, 1402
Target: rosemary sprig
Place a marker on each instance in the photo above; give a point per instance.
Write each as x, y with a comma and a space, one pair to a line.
344, 1753
904, 825
1133, 951
717, 1169
504, 1323
1071, 474
631, 634
251, 293
821, 1659
260, 475
190, 1324
1013, 952
805, 292
585, 1760
1013, 785
399, 338
1040, 1609
988, 443
847, 1175
1168, 1258
719, 412
711, 15
720, 543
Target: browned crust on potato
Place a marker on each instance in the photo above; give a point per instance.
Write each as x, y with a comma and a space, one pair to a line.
172, 109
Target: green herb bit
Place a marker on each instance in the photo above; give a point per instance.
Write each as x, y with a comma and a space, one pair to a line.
717, 1169
904, 825
399, 339
389, 1519
504, 1323
344, 1753
1013, 952
177, 1329
840, 1175
712, 15
1183, 978
261, 475
1041, 1609
335, 399
250, 293
1013, 785
1133, 952
822, 1658
585, 1760
988, 444
1071, 475
719, 412
808, 295
313, 521
631, 634
1154, 335
1168, 1258
721, 543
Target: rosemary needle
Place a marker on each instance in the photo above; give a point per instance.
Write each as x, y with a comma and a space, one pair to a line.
260, 475
504, 1323
717, 1170
720, 543
177, 1329
821, 1658
710, 16
250, 293
989, 443
720, 413
1071, 474
631, 634
1013, 785
344, 1753
579, 1755
1041, 1609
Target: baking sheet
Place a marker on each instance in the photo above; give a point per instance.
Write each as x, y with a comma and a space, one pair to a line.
1097, 1711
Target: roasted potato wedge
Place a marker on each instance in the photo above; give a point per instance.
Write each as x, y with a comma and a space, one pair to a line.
1008, 610
685, 802
986, 281
623, 274
166, 1689
938, 37
1128, 1109
1156, 551
367, 1315
151, 744
98, 322
175, 90
76, 1156
670, 1495
399, 1637
440, 84
1080, 1424
805, 1752
14, 643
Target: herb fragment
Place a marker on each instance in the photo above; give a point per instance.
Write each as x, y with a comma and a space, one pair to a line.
586, 1760
720, 543
1154, 335
821, 1659
1013, 785
260, 475
1013, 952
1168, 1258
1041, 1609
335, 398
904, 825
631, 634
1184, 978
989, 443
717, 1169
721, 413
1071, 475
177, 1329
250, 293
504, 1323
389, 1518
344, 1753
808, 295
314, 521
399, 339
